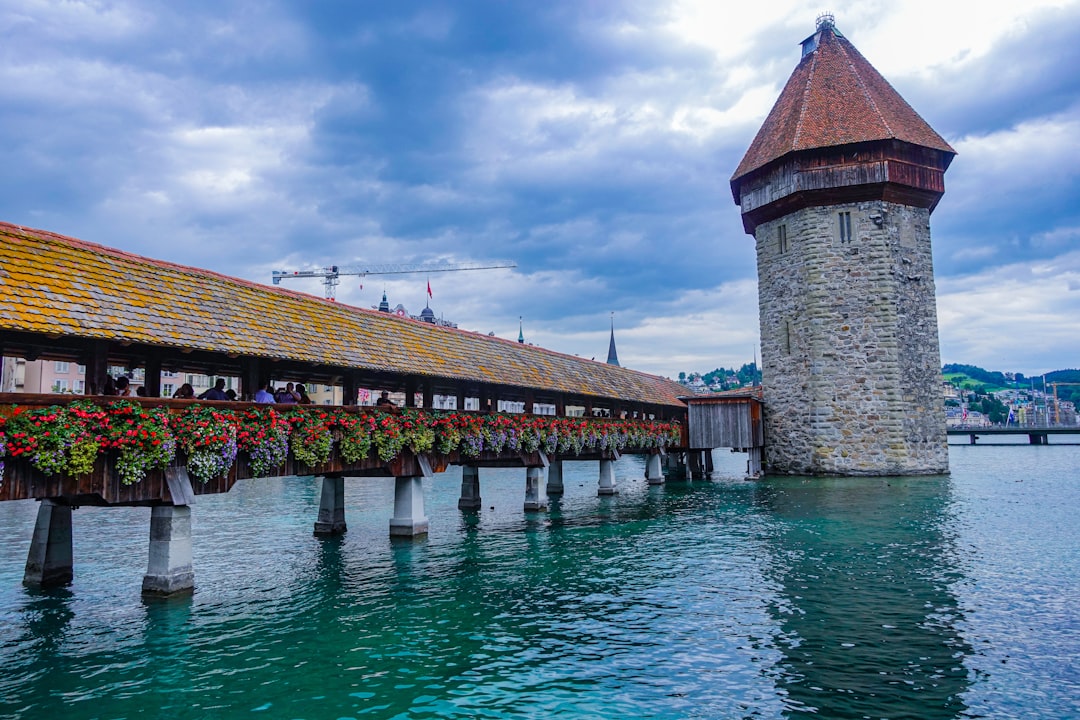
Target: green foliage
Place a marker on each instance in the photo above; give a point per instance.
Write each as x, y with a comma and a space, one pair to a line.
748, 374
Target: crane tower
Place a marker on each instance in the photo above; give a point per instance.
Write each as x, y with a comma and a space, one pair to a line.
331, 276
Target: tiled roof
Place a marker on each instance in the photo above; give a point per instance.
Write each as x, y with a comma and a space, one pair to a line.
59, 286
835, 97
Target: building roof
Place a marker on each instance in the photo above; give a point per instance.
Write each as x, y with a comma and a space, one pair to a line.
62, 287
835, 97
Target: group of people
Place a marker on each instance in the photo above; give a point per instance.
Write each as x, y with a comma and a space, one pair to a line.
290, 394
121, 386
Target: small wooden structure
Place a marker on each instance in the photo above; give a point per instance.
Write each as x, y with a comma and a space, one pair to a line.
730, 419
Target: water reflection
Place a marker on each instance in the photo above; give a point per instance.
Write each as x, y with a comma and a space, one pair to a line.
868, 625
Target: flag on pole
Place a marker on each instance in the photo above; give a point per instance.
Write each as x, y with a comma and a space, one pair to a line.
429, 288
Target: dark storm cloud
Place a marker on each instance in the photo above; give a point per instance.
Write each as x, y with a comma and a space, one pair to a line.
589, 142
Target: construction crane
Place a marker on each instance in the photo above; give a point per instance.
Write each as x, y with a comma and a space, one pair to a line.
1057, 414
331, 276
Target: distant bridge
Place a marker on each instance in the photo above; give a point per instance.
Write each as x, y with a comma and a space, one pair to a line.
1037, 435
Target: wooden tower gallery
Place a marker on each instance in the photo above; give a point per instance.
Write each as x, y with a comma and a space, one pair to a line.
837, 189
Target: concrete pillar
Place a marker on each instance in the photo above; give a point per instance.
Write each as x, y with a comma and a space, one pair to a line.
607, 478
753, 464
49, 561
554, 478
409, 519
653, 474
535, 499
697, 466
169, 568
331, 508
470, 489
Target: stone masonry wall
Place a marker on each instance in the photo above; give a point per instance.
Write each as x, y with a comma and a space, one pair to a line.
850, 359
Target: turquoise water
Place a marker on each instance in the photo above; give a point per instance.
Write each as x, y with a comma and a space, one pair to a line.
950, 597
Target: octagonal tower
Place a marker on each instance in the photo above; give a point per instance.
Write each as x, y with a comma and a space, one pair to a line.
837, 189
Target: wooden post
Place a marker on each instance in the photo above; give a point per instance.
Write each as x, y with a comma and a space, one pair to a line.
250, 378
349, 389
97, 367
410, 392
152, 375
429, 395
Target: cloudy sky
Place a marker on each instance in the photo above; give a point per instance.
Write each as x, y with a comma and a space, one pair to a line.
590, 142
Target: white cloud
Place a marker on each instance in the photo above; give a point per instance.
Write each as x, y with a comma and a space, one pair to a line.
1019, 317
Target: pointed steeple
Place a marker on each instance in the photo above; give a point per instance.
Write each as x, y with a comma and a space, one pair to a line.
384, 306
612, 356
521, 331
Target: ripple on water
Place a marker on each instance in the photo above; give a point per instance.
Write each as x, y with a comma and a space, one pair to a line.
927, 598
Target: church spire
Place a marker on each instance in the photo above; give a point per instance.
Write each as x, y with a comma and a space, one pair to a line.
612, 356
521, 332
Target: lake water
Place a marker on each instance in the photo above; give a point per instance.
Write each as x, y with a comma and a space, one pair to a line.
950, 597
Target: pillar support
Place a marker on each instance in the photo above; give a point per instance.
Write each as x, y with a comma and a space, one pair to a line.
535, 499
753, 464
653, 474
697, 464
555, 478
470, 489
49, 561
169, 569
409, 519
607, 478
331, 519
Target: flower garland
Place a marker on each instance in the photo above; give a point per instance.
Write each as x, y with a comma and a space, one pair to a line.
3, 448
263, 433
69, 439
209, 437
353, 435
311, 439
141, 436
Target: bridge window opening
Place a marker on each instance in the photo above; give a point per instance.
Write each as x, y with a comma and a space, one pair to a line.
845, 227
472, 403
781, 239
575, 411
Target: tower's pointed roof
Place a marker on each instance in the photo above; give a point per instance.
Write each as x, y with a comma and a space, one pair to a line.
835, 97
612, 356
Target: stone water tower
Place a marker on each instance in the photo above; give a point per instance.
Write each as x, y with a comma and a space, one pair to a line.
837, 190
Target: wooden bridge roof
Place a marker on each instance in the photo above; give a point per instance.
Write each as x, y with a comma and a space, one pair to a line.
60, 287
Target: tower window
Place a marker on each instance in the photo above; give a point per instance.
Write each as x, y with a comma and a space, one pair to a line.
787, 337
781, 238
845, 227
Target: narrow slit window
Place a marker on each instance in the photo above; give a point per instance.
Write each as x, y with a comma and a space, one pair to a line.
845, 227
787, 337
781, 238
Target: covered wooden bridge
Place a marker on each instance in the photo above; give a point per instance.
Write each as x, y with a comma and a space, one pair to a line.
68, 300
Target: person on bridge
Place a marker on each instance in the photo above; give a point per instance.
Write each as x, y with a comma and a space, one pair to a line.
265, 393
217, 392
123, 386
184, 392
384, 401
302, 396
286, 395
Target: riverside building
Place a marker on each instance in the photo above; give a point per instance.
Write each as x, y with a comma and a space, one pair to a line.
837, 189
